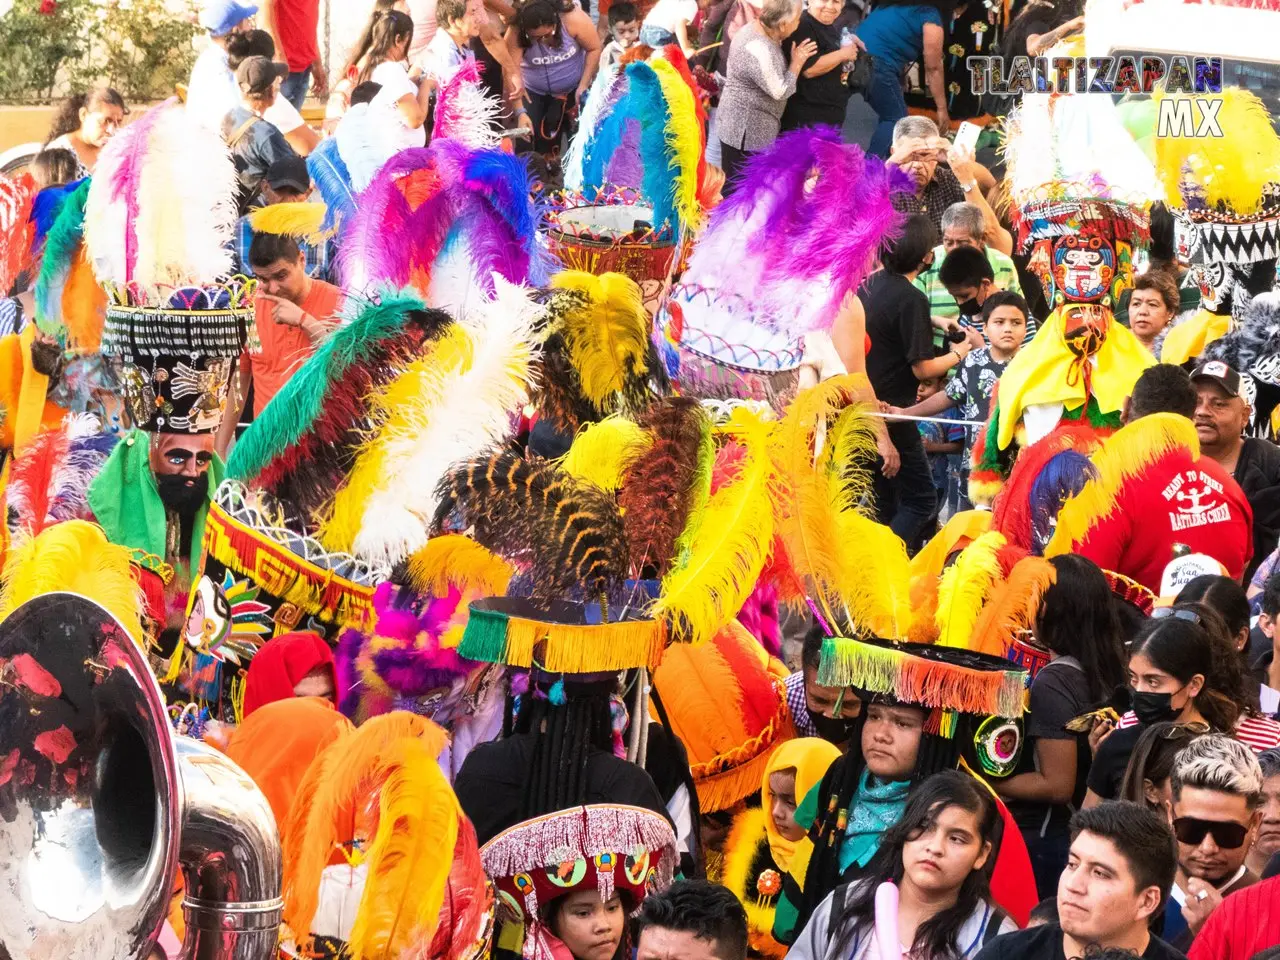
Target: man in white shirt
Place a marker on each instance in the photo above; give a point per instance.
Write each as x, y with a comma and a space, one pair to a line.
212, 82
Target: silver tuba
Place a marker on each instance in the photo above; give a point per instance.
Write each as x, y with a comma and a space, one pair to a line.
100, 805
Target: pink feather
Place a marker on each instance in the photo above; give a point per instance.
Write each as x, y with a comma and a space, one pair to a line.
124, 156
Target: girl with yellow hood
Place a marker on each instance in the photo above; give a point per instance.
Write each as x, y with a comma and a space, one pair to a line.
766, 847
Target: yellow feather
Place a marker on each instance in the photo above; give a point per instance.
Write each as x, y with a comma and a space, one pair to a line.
601, 451
875, 579
422, 384
457, 561
1124, 455
74, 556
331, 798
1233, 169
608, 338
710, 583
410, 858
1013, 606
812, 498
684, 137
965, 587
302, 221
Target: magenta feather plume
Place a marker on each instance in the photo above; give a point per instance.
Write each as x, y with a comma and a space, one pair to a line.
446, 110
125, 155
793, 245
398, 226
416, 663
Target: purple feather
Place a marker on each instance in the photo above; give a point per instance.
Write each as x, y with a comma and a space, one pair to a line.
348, 676
625, 166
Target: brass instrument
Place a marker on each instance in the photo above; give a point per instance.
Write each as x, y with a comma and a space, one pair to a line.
100, 805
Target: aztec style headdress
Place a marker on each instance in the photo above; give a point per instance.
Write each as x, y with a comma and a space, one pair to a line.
727, 703
776, 261
157, 224
610, 848
260, 577
975, 700
1081, 190
408, 899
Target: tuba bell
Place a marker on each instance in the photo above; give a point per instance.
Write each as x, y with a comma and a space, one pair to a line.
100, 805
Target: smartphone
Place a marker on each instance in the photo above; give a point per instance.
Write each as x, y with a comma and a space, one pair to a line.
967, 136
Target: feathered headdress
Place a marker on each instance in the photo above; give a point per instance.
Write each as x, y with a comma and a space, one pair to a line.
727, 703
302, 446
74, 557
642, 128
49, 480
857, 568
726, 541
408, 880
161, 208
69, 303
16, 228
463, 111
1046, 474
301, 221
453, 401
965, 586
445, 199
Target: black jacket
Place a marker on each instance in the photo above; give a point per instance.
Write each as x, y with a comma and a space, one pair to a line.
1258, 473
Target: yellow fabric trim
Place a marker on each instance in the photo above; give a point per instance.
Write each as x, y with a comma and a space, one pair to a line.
1189, 338
587, 648
1041, 371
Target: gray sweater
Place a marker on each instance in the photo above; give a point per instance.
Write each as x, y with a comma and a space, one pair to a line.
755, 91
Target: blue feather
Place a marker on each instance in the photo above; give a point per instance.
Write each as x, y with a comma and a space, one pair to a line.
45, 207
330, 175
1063, 476
599, 149
649, 108
502, 181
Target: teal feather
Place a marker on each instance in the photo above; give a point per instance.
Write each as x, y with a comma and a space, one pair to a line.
62, 243
292, 411
646, 104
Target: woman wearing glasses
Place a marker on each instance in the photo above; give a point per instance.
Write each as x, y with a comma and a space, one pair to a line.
1182, 669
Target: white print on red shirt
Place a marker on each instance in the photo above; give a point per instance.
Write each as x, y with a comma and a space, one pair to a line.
1197, 500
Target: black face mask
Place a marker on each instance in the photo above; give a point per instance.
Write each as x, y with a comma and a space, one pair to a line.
970, 308
832, 729
1152, 707
177, 496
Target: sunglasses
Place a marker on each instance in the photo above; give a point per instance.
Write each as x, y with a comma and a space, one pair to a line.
1184, 731
1193, 830
1174, 613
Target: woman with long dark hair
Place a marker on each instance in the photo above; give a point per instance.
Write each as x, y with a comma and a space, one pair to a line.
1077, 624
1182, 669
84, 123
558, 50
939, 854
1146, 778
400, 103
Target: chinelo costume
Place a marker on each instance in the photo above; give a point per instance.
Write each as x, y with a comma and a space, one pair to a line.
1081, 190
609, 848
157, 219
364, 874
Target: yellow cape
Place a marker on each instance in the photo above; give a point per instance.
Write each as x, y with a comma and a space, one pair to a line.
1041, 373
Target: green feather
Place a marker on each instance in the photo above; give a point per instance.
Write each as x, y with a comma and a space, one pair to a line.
291, 412
61, 244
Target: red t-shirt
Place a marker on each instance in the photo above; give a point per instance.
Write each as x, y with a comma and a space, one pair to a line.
1245, 924
296, 25
285, 348
1178, 499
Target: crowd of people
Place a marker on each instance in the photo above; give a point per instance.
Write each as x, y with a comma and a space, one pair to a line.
605, 515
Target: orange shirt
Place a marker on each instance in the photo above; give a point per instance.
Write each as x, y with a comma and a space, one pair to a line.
285, 348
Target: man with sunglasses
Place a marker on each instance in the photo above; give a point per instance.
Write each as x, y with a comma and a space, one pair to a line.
1216, 789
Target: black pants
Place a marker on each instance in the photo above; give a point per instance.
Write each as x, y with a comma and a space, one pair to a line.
732, 160
906, 500
554, 119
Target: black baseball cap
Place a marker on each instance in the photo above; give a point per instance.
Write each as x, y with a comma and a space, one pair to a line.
1219, 373
259, 74
289, 173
